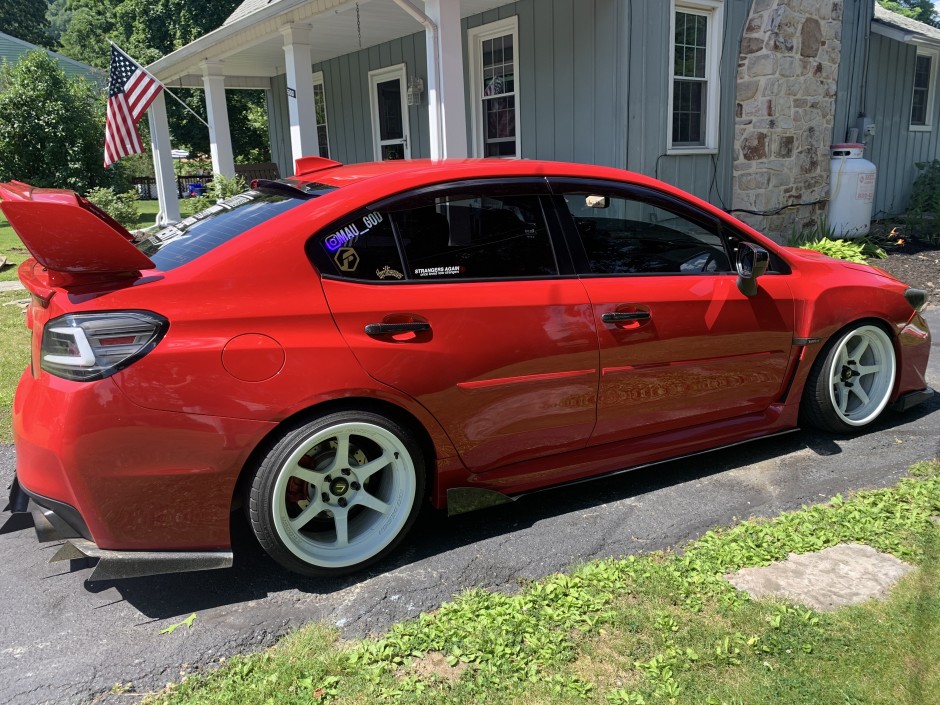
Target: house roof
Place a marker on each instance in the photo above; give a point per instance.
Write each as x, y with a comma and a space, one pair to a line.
251, 47
246, 8
12, 49
903, 28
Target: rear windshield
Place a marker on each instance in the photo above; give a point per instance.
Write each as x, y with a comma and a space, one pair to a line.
193, 237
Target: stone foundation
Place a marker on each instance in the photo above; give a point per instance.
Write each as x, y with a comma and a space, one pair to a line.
786, 88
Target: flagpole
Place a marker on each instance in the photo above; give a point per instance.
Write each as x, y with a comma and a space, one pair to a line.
167, 90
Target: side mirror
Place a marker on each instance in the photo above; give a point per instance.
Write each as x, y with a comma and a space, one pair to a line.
752, 262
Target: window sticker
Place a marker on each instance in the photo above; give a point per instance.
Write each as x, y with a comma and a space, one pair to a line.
439, 271
352, 232
347, 259
387, 271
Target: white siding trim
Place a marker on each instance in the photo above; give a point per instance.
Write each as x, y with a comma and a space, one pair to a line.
934, 55
475, 38
714, 10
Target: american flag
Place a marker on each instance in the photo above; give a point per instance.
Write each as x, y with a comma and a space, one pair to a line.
131, 90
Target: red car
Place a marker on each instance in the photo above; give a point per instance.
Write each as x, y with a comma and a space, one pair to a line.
333, 350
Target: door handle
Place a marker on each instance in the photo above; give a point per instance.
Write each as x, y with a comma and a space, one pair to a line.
394, 328
622, 316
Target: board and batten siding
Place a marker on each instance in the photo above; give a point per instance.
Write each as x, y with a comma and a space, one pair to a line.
593, 87
895, 148
348, 111
856, 23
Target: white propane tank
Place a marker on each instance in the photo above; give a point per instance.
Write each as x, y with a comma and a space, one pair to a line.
852, 190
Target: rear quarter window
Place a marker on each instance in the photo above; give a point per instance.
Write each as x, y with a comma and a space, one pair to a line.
202, 232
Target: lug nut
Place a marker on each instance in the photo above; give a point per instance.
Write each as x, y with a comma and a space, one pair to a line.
325, 497
345, 471
342, 501
328, 479
355, 485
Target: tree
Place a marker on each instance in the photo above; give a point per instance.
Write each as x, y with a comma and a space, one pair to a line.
920, 10
149, 29
51, 126
24, 19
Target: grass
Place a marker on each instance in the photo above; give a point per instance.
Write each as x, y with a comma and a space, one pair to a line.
14, 356
658, 628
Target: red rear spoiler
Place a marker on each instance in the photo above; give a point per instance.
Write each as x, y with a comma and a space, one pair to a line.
67, 234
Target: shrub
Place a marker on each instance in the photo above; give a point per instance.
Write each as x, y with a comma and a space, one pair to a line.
923, 210
120, 206
849, 250
226, 186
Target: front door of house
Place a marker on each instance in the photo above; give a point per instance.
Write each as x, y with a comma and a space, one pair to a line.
389, 113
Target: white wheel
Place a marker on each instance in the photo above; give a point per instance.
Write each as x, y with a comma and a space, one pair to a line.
337, 493
851, 385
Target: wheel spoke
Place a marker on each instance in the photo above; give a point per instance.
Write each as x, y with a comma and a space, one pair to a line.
842, 397
364, 472
341, 459
306, 475
859, 349
867, 369
372, 502
302, 519
341, 520
861, 394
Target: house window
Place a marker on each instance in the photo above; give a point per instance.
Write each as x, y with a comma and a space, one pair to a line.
694, 80
494, 90
319, 101
925, 68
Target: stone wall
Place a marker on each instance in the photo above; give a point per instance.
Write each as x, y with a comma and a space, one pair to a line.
786, 90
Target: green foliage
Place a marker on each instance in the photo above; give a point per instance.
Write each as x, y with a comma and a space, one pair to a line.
676, 629
24, 19
226, 186
849, 250
51, 127
149, 29
821, 229
120, 206
920, 10
923, 210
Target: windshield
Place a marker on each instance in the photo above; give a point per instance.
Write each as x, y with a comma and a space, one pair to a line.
202, 232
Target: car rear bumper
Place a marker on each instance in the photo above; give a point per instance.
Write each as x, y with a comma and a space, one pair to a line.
58, 521
125, 477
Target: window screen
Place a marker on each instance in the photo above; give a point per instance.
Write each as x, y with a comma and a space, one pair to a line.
627, 236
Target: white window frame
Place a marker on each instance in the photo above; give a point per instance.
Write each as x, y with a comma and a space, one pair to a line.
714, 11
377, 76
475, 38
934, 55
318, 81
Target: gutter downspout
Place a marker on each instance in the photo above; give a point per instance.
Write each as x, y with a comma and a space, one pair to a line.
430, 26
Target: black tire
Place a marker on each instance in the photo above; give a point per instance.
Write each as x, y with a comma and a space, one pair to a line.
859, 361
319, 514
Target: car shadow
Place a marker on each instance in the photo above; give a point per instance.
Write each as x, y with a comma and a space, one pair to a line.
255, 576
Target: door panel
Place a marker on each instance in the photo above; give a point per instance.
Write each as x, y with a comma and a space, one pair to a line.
706, 351
508, 368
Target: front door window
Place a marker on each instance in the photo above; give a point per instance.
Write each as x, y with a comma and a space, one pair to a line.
389, 113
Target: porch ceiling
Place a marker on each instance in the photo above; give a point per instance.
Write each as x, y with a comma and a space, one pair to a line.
254, 47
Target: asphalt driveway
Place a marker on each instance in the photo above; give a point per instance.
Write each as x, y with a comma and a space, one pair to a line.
65, 640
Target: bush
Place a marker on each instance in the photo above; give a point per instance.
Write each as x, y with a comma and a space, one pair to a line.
120, 206
51, 126
223, 187
849, 250
923, 210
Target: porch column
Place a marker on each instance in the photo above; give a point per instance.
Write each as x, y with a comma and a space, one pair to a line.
446, 105
300, 103
220, 137
163, 162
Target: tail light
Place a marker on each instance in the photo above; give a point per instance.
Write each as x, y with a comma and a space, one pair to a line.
90, 346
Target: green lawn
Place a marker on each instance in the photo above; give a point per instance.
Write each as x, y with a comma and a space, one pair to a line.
14, 356
658, 628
